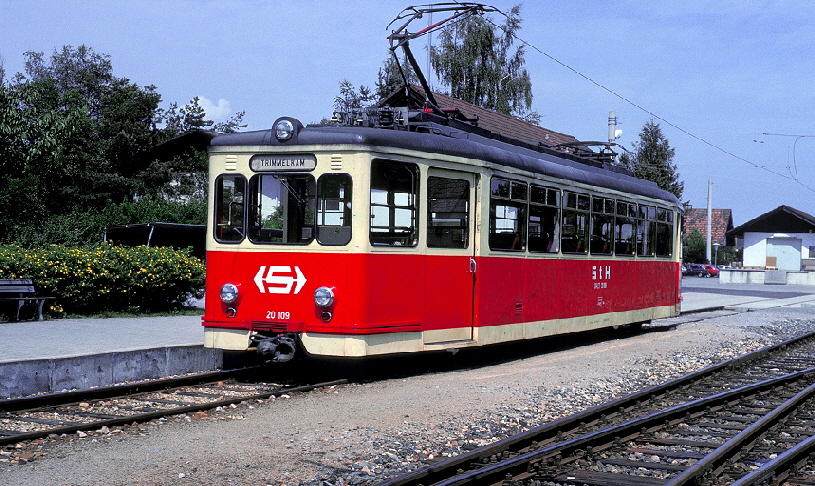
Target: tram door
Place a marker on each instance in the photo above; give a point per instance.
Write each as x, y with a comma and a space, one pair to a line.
450, 263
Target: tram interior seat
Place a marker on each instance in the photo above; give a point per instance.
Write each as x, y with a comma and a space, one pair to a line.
540, 243
391, 239
269, 234
447, 237
571, 244
334, 235
505, 241
600, 246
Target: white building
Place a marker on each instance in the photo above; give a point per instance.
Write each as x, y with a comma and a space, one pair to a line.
782, 240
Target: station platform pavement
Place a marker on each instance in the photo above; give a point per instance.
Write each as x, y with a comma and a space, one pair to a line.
66, 354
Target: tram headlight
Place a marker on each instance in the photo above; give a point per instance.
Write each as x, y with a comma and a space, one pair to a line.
324, 297
283, 130
229, 293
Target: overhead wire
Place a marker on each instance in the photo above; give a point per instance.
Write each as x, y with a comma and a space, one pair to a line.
791, 176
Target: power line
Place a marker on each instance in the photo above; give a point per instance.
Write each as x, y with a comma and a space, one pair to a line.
794, 144
791, 176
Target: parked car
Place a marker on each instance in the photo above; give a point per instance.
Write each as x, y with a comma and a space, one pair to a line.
692, 269
700, 270
710, 271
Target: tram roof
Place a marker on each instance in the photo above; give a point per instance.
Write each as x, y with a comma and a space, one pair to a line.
451, 140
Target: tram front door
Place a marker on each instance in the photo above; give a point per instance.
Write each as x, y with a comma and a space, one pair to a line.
450, 263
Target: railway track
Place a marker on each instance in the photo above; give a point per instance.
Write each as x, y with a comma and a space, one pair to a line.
750, 419
37, 417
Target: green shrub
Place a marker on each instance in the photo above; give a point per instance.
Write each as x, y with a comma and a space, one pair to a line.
107, 278
86, 227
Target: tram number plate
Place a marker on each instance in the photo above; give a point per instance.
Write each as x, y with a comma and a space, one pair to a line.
278, 315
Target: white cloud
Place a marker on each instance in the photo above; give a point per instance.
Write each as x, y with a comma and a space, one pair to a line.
220, 112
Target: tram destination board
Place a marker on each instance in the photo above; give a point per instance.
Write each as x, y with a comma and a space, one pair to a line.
282, 162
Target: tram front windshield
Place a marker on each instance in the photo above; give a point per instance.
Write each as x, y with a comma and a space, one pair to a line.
285, 209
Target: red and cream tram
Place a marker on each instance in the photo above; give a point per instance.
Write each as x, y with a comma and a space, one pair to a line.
415, 234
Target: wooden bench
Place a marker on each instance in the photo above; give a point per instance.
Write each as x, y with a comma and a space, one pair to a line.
20, 291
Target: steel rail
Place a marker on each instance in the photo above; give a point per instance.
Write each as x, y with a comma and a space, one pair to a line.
546, 433
602, 439
727, 450
61, 398
144, 417
777, 470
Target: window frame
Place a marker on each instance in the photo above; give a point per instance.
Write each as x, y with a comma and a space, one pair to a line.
516, 198
255, 232
334, 235
218, 211
551, 202
601, 233
576, 206
464, 224
391, 238
625, 216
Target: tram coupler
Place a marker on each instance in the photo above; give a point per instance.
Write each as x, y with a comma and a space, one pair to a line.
279, 348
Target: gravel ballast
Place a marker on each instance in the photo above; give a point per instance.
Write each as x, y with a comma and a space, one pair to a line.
366, 433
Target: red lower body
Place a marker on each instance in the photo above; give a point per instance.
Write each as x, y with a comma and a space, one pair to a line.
394, 292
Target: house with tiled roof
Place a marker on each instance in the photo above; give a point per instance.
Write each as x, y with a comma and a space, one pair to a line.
487, 119
721, 221
782, 239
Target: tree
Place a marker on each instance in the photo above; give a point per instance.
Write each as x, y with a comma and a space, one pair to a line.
390, 76
108, 150
44, 142
476, 61
351, 99
75, 142
652, 159
693, 247
74, 69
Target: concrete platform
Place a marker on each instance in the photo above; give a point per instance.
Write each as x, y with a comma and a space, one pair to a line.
55, 355
711, 293
37, 357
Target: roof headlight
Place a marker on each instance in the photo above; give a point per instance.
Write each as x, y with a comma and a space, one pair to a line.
283, 130
324, 297
229, 293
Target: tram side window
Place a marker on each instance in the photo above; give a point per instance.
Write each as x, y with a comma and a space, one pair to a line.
448, 212
507, 214
664, 232
602, 225
646, 231
230, 191
334, 209
625, 229
544, 219
394, 189
575, 223
282, 209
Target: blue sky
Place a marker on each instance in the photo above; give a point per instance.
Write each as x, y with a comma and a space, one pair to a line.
718, 75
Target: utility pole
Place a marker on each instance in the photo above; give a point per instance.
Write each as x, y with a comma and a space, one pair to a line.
709, 220
612, 126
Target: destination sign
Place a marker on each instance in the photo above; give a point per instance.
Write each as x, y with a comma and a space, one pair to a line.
282, 162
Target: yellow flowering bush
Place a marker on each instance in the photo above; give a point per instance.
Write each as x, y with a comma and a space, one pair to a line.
107, 277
